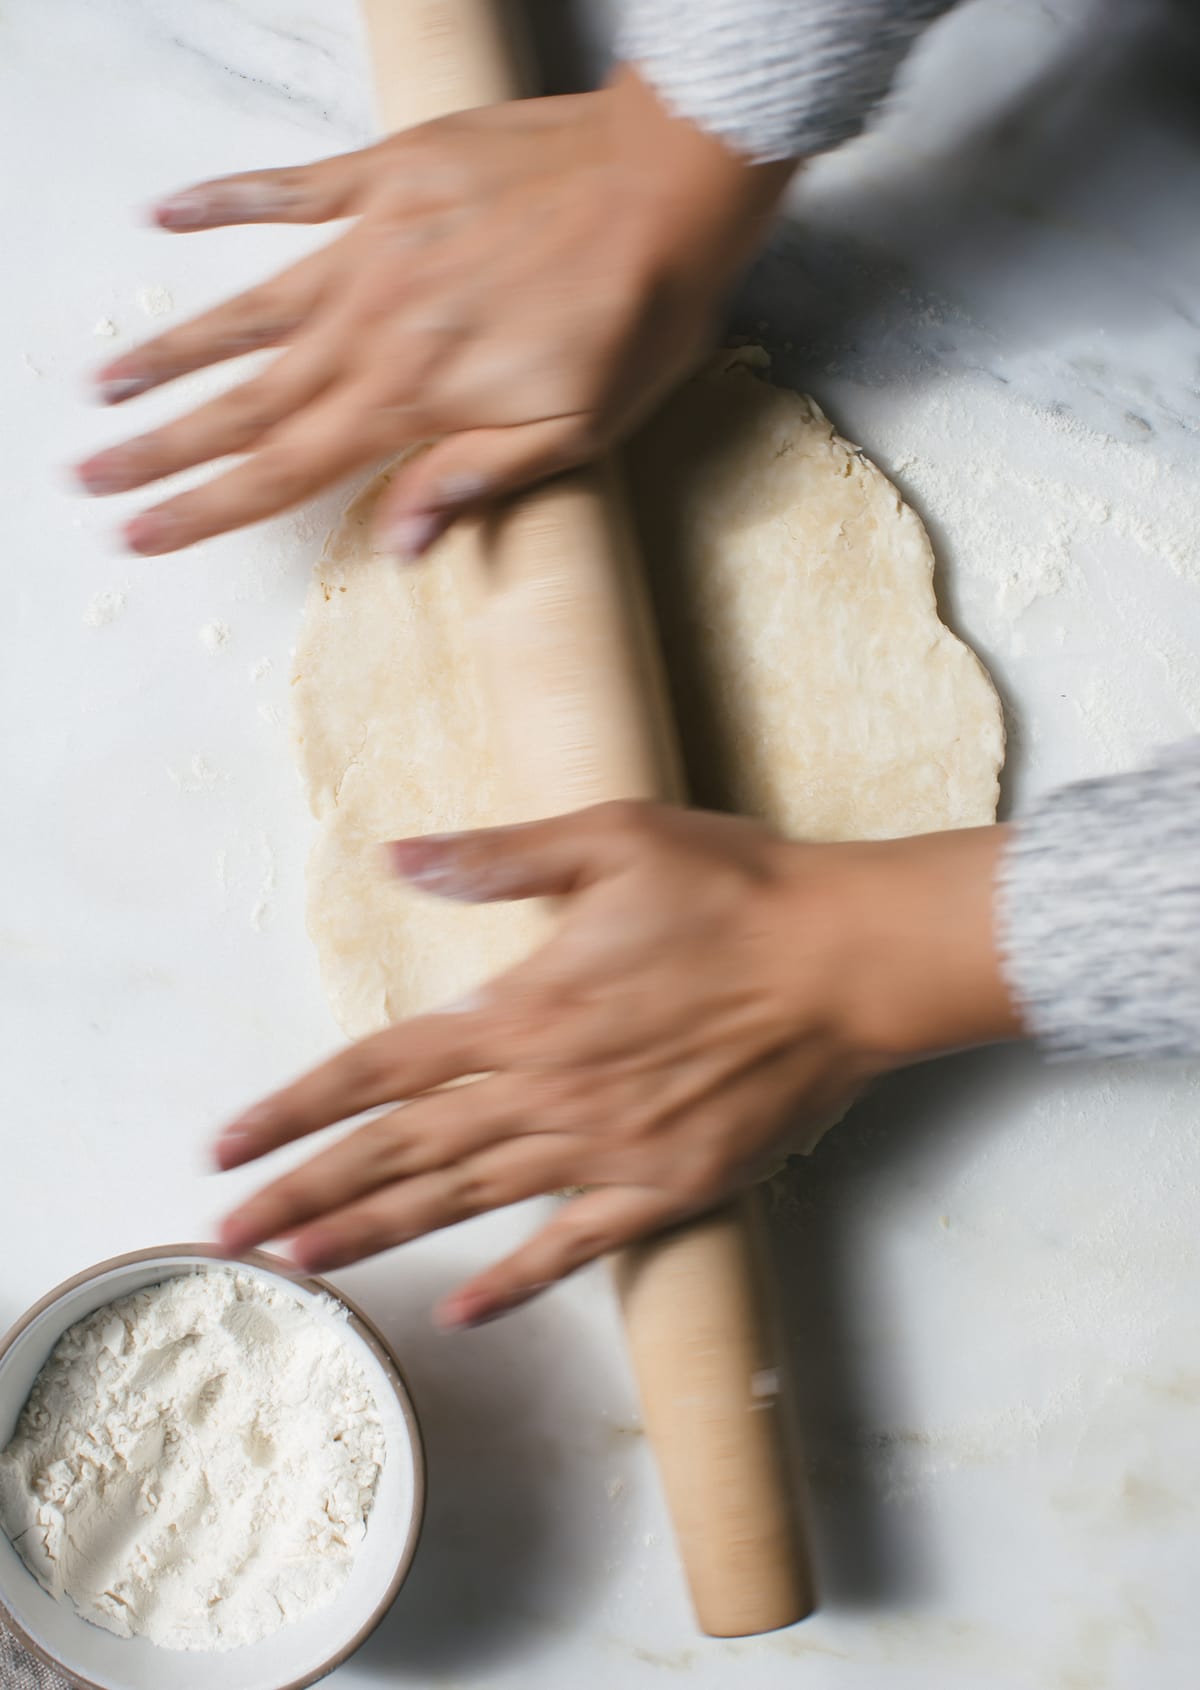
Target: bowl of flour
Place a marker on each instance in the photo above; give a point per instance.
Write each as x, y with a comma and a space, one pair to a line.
210, 1474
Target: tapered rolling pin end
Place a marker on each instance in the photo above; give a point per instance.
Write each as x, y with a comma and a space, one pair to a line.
694, 1309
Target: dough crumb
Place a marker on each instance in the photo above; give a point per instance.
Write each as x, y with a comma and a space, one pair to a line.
155, 300
104, 328
104, 607
214, 635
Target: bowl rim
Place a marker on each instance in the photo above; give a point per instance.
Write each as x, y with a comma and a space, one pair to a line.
363, 1326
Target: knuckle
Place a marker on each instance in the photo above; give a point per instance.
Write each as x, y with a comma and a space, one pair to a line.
247, 411
559, 1102
298, 1191
280, 474
474, 1192
582, 1242
628, 818
364, 1068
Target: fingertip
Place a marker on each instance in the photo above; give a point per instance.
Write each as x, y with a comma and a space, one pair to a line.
179, 212
234, 1237
460, 1311
115, 389
412, 533
309, 1252
231, 1150
150, 534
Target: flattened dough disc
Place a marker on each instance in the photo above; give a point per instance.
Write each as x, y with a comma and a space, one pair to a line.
815, 685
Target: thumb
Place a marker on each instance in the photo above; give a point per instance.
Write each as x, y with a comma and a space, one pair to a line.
542, 859
465, 472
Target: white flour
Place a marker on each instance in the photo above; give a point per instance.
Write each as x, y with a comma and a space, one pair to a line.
196, 1463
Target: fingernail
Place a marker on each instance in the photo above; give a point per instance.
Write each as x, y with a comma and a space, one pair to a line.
411, 536
308, 1257
457, 1313
102, 474
151, 533
422, 861
462, 487
231, 1149
226, 202
188, 209
235, 1236
113, 389
471, 1004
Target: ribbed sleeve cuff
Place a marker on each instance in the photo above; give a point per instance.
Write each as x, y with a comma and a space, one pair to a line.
773, 79
1098, 910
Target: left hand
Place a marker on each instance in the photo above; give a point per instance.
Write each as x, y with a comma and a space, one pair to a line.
519, 283
710, 990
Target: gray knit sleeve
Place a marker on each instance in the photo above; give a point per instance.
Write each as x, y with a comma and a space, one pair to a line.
1098, 911
773, 78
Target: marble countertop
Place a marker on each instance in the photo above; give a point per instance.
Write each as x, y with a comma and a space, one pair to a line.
991, 1269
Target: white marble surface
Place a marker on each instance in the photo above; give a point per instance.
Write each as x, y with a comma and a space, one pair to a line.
991, 1270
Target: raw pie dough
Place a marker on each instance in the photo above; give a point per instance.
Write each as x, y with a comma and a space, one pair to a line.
814, 684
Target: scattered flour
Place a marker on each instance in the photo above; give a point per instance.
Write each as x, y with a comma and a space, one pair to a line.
261, 911
260, 669
196, 1463
104, 328
155, 300
1045, 563
104, 607
213, 636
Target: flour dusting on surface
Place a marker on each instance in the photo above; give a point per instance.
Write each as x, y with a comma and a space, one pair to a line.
155, 300
104, 607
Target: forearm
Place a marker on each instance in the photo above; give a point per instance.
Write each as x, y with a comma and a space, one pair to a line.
774, 79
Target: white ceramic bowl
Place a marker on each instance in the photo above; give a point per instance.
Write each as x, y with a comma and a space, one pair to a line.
291, 1658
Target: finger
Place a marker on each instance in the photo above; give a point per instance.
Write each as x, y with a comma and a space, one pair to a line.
432, 1133
542, 859
232, 423
508, 1173
585, 1229
312, 193
388, 1067
466, 471
263, 316
328, 440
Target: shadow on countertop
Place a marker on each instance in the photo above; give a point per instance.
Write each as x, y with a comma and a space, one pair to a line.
871, 1547
1050, 181
508, 1497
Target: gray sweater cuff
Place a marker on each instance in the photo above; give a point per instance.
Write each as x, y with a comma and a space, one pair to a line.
773, 78
1098, 911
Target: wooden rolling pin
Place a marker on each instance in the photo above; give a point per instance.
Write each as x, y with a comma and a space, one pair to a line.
566, 643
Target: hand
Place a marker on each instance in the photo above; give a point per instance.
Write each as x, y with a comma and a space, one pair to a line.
711, 991
521, 282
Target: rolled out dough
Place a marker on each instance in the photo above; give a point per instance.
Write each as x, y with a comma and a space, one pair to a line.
814, 683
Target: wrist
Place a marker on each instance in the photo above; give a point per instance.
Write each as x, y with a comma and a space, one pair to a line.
913, 950
704, 201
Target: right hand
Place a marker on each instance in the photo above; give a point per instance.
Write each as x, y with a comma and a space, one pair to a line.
520, 283
710, 993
